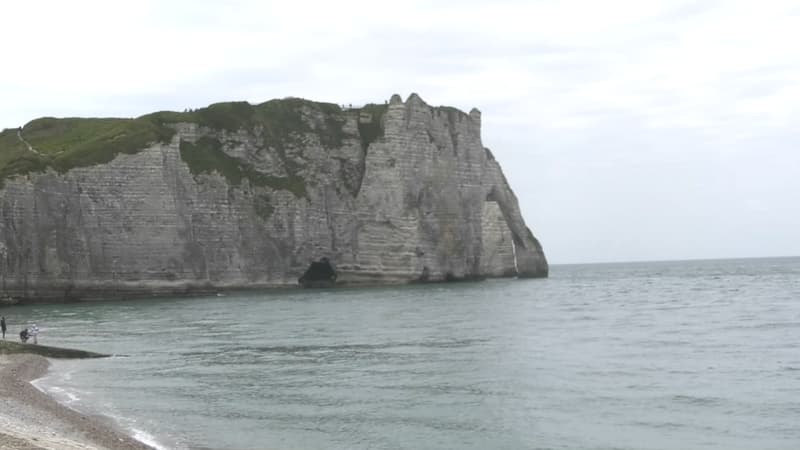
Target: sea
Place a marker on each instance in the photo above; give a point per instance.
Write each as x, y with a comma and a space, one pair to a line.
656, 355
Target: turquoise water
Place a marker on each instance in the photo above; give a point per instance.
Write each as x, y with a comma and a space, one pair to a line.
677, 355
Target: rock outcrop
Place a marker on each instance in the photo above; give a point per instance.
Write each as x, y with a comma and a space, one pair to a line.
239, 195
9, 348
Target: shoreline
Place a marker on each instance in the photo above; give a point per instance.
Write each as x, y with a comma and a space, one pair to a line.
12, 296
32, 420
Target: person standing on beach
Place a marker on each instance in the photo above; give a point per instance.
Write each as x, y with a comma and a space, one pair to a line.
34, 331
3, 326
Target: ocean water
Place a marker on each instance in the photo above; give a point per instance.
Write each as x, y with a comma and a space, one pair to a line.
667, 355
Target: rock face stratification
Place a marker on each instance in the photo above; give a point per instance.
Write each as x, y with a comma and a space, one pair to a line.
238, 195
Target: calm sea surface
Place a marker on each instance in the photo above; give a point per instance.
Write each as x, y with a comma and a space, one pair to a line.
672, 355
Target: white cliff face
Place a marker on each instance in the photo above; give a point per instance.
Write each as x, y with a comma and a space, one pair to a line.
423, 200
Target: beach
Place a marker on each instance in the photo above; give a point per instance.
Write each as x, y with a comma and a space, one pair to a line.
32, 420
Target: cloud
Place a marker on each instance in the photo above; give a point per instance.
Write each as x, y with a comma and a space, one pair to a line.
619, 106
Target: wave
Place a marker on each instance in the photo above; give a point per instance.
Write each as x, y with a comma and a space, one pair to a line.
765, 326
62, 395
311, 348
696, 400
52, 385
147, 439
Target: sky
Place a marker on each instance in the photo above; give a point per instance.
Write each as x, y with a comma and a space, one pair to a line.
629, 130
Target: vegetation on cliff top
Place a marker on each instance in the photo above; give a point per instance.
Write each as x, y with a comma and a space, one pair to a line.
63, 144
206, 156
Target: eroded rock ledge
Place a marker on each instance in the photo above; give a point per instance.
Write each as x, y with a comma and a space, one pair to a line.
10, 348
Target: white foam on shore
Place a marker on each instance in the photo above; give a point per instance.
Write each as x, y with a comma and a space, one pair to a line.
129, 426
147, 439
45, 384
60, 394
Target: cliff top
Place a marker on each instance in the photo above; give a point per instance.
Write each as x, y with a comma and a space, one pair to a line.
66, 143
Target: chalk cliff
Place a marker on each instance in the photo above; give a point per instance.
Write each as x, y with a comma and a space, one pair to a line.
238, 195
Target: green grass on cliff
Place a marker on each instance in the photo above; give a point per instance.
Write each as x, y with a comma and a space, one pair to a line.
15, 159
70, 143
206, 156
63, 144
280, 121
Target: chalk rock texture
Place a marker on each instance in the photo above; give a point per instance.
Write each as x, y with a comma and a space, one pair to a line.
390, 193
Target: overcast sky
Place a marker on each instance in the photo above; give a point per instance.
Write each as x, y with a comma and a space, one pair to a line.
630, 130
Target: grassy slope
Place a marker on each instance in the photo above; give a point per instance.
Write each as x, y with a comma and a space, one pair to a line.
15, 158
63, 144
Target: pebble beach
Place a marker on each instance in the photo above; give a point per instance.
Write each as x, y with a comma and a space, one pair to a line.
32, 420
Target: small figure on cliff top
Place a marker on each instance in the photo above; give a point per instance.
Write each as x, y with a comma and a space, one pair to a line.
3, 326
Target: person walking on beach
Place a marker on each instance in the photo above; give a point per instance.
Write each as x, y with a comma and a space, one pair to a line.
3, 326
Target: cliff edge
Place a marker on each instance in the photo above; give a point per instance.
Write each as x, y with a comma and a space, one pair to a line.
238, 195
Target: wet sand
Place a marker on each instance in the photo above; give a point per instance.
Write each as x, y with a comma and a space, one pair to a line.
31, 420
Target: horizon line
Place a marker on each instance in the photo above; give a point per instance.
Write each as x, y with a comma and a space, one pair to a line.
732, 258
